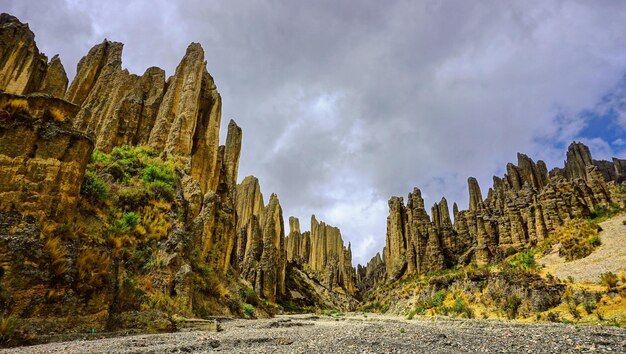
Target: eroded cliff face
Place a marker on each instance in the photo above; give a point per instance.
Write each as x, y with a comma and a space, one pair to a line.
215, 226
23, 68
181, 116
298, 243
117, 108
521, 209
42, 158
371, 274
324, 253
260, 251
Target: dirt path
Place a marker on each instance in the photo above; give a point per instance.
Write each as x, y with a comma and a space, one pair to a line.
610, 256
358, 333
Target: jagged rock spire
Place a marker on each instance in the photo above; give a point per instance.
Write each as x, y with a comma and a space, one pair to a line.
475, 196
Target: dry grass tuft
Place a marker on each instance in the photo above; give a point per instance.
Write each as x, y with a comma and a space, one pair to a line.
609, 279
155, 222
8, 325
58, 255
16, 105
93, 270
57, 114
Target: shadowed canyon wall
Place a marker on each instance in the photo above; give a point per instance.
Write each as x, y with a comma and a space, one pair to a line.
323, 252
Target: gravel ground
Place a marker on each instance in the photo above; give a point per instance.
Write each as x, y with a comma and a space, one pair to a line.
609, 256
356, 333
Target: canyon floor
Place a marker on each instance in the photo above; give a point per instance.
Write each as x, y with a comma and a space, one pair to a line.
359, 333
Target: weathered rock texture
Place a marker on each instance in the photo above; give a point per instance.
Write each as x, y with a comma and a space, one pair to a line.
371, 274
23, 69
181, 116
298, 243
521, 209
323, 251
55, 82
260, 250
217, 219
42, 158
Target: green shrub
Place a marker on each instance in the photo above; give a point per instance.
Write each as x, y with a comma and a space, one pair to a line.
589, 306
461, 308
603, 212
133, 197
94, 188
249, 296
125, 224
98, 157
524, 260
127, 158
332, 312
117, 171
553, 317
512, 305
163, 173
125, 153
131, 219
437, 300
571, 308
161, 190
609, 279
248, 310
594, 241
623, 222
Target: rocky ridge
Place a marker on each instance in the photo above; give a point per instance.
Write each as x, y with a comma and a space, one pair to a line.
323, 252
521, 209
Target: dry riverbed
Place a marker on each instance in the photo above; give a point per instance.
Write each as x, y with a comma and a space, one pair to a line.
359, 333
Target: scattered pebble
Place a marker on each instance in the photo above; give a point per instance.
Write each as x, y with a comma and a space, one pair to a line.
355, 334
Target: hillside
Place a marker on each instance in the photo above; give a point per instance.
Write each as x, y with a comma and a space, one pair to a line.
610, 256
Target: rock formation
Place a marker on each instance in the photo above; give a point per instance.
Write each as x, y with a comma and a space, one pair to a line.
371, 274
117, 108
217, 219
521, 209
196, 240
55, 82
42, 158
298, 243
23, 67
323, 252
181, 116
260, 250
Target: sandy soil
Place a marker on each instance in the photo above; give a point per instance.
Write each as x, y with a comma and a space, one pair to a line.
358, 333
610, 256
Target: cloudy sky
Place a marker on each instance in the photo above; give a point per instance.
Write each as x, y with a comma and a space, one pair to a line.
346, 103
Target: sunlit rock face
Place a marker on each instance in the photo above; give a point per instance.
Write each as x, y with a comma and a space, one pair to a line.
42, 157
260, 245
